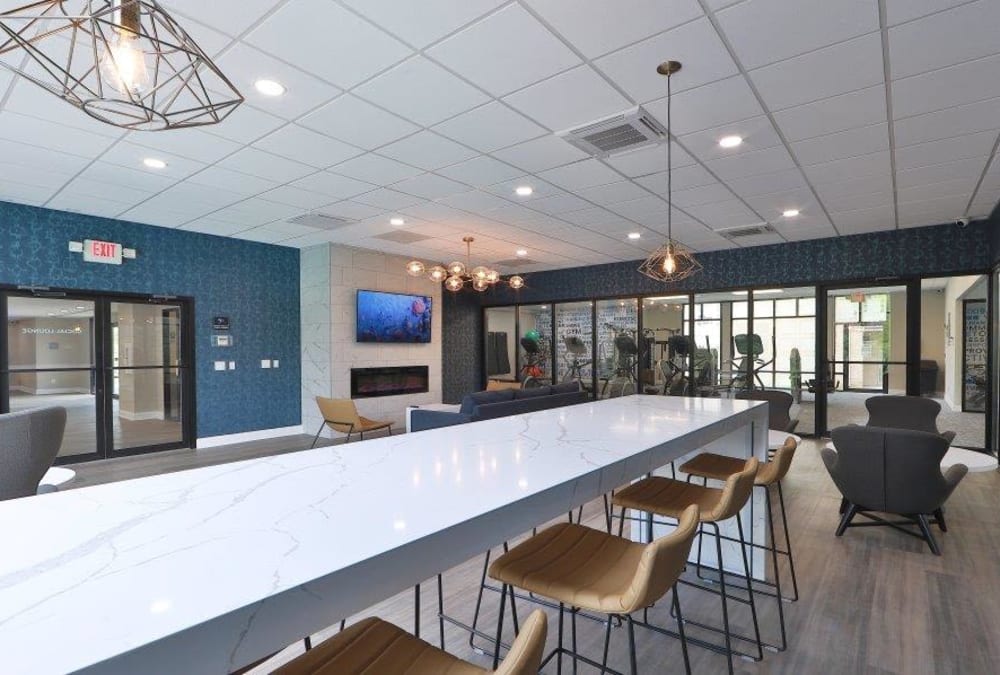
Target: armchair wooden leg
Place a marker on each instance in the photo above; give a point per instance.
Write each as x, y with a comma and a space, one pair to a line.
852, 510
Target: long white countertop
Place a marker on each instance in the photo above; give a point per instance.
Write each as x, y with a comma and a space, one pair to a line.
203, 570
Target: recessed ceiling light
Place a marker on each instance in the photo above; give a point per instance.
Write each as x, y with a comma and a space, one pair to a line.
81, 307
154, 163
730, 141
269, 87
634, 235
521, 253
397, 221
524, 190
790, 213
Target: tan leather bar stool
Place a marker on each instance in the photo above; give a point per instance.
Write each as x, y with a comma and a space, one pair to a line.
719, 467
670, 498
586, 569
377, 647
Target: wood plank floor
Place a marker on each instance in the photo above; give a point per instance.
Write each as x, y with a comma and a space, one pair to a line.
873, 601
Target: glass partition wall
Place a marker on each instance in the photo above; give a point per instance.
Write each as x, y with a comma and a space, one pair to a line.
501, 344
534, 345
619, 347
574, 341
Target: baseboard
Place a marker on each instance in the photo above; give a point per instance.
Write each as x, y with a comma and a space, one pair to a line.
246, 436
141, 416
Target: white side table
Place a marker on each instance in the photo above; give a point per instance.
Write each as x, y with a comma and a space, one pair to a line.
441, 407
54, 478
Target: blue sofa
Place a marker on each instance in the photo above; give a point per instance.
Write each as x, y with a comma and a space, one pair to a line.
487, 405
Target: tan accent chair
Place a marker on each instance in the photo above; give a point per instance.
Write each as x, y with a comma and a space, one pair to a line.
667, 497
340, 414
377, 647
709, 465
586, 569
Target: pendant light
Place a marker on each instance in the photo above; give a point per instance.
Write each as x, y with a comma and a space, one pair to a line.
672, 261
457, 274
124, 62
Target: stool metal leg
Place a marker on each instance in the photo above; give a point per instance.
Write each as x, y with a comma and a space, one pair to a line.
725, 604
750, 593
559, 657
777, 571
441, 610
680, 631
788, 543
496, 647
572, 629
479, 599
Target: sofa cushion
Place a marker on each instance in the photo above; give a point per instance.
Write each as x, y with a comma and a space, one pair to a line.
570, 387
532, 392
471, 401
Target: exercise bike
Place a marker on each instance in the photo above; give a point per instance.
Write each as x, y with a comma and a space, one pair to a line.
747, 369
535, 358
626, 360
575, 349
675, 366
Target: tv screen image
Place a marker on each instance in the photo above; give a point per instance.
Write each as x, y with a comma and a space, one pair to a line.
393, 317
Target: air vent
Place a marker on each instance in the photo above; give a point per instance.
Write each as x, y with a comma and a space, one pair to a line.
320, 220
514, 262
402, 237
625, 131
752, 231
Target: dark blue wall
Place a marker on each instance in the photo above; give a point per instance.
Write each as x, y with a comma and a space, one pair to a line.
923, 251
256, 285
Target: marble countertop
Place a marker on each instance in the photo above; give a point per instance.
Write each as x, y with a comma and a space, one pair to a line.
108, 577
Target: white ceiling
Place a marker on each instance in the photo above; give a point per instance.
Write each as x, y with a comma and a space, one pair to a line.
865, 115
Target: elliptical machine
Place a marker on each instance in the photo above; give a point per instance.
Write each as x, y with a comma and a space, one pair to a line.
575, 349
535, 358
675, 366
626, 360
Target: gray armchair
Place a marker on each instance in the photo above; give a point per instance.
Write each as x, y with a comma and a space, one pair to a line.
29, 443
893, 471
779, 406
906, 412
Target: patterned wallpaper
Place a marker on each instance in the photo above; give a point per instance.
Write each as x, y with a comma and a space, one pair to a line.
940, 249
256, 285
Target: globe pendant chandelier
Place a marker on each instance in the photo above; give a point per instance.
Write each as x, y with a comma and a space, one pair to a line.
672, 261
457, 274
124, 62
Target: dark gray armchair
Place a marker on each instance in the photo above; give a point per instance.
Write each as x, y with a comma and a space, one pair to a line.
893, 471
779, 406
906, 412
29, 443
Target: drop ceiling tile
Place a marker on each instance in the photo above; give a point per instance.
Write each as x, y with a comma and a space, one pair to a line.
475, 201
86, 203
959, 187
640, 207
327, 40
597, 27
857, 221
262, 235
850, 167
52, 136
307, 146
588, 173
932, 211
838, 203
358, 122
900, 11
33, 195
112, 174
648, 160
681, 179
421, 91
505, 51
838, 69
131, 155
490, 127
507, 189
854, 187
257, 212
790, 179
960, 34
598, 219
724, 215
613, 193
705, 194
29, 99
713, 105
948, 149
292, 196
557, 204
696, 45
540, 154
430, 186
221, 16
963, 168
757, 133
859, 141
46, 161
190, 143
194, 198
839, 113
753, 163
946, 88
773, 206
34, 177
244, 65
219, 228
424, 22
351, 210
387, 199
265, 165
332, 185
246, 124
958, 121
766, 31
375, 169
233, 181
569, 99
427, 150
480, 171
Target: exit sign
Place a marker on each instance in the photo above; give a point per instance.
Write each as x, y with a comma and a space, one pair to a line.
107, 252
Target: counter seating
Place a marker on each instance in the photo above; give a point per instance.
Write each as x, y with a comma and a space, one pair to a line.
486, 405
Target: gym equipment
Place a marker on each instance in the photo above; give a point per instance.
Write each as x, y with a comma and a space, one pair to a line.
626, 359
535, 358
575, 348
748, 367
674, 367
795, 374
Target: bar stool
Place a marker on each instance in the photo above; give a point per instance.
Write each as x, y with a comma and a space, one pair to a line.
376, 647
586, 569
719, 467
670, 498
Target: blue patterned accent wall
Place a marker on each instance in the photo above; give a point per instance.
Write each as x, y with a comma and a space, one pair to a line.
936, 250
256, 285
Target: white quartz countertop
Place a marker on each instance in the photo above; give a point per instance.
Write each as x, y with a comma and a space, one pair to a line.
89, 575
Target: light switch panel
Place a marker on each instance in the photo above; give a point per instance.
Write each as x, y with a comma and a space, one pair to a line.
265, 363
232, 365
220, 365
274, 363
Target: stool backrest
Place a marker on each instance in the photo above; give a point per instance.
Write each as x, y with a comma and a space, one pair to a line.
662, 563
774, 470
525, 655
339, 413
736, 491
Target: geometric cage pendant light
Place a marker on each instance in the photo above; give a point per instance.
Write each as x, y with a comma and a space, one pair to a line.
672, 261
124, 62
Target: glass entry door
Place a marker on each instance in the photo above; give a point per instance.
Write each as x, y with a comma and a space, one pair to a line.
120, 368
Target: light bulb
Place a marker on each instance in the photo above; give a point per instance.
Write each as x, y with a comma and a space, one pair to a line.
123, 63
516, 282
479, 273
414, 268
437, 273
480, 285
492, 276
456, 269
454, 284
669, 264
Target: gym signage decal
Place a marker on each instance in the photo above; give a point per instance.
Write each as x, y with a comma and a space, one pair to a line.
98, 251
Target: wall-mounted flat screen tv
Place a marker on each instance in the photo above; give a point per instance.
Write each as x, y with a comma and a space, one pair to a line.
393, 317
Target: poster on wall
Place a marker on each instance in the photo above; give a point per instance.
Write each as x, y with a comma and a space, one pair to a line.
974, 380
